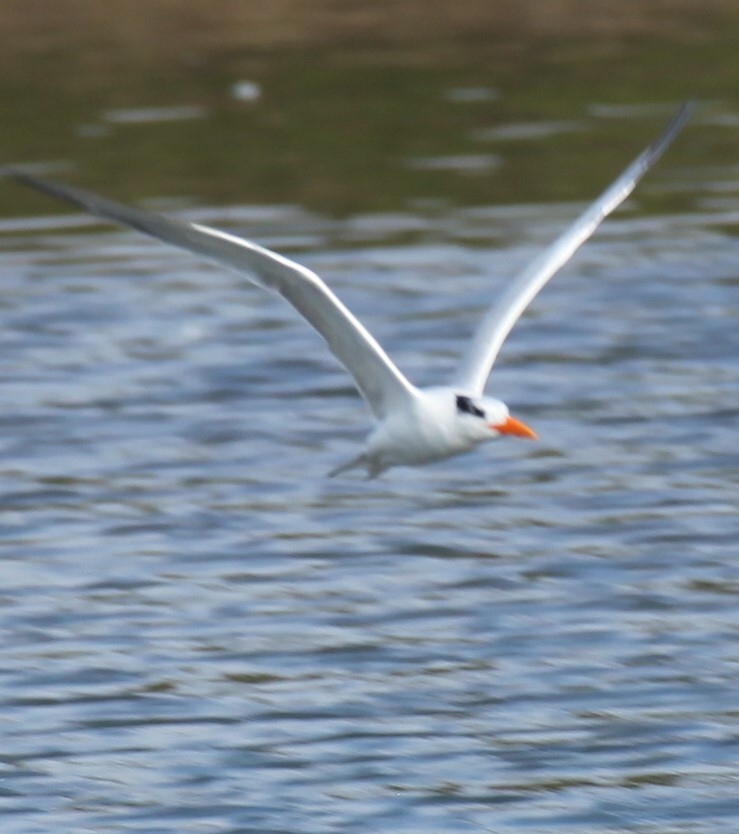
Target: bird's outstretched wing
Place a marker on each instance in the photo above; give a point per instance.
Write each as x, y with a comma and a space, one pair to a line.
379, 381
477, 361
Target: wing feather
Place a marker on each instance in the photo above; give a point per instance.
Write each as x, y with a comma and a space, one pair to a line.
379, 381
478, 360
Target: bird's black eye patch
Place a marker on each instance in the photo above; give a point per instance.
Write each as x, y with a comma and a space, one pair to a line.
466, 406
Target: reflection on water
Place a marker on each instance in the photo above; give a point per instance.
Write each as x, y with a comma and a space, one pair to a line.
206, 634
141, 115
363, 131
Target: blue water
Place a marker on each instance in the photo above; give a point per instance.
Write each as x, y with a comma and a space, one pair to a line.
204, 634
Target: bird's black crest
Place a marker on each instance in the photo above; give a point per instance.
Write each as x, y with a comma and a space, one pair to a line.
466, 406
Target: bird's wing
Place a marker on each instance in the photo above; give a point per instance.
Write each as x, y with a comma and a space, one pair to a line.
477, 361
379, 381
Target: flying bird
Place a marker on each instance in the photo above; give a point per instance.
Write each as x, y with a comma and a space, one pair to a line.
413, 425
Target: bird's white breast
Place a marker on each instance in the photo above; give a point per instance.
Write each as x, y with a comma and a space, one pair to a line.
427, 430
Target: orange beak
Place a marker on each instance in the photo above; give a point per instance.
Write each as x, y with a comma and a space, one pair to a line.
513, 426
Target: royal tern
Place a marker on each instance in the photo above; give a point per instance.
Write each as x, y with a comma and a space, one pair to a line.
413, 425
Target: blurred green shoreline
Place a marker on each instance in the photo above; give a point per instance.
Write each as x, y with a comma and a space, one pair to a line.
357, 107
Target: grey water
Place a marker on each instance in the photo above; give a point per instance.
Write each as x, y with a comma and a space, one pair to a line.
202, 633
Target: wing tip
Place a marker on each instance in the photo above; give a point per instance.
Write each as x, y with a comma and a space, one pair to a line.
668, 136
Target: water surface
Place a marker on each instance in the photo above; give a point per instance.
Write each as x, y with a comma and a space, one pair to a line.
204, 634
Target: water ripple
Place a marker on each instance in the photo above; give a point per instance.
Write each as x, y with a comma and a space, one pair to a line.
205, 634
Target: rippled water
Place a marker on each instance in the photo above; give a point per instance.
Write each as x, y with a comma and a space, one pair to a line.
202, 633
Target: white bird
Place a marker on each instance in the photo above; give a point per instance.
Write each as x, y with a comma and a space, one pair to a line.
413, 425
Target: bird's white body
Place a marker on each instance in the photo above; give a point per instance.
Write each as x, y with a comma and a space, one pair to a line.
429, 427
414, 426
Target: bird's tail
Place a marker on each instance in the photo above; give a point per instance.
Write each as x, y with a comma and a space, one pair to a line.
354, 463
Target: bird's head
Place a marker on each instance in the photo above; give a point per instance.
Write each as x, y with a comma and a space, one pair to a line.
486, 417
